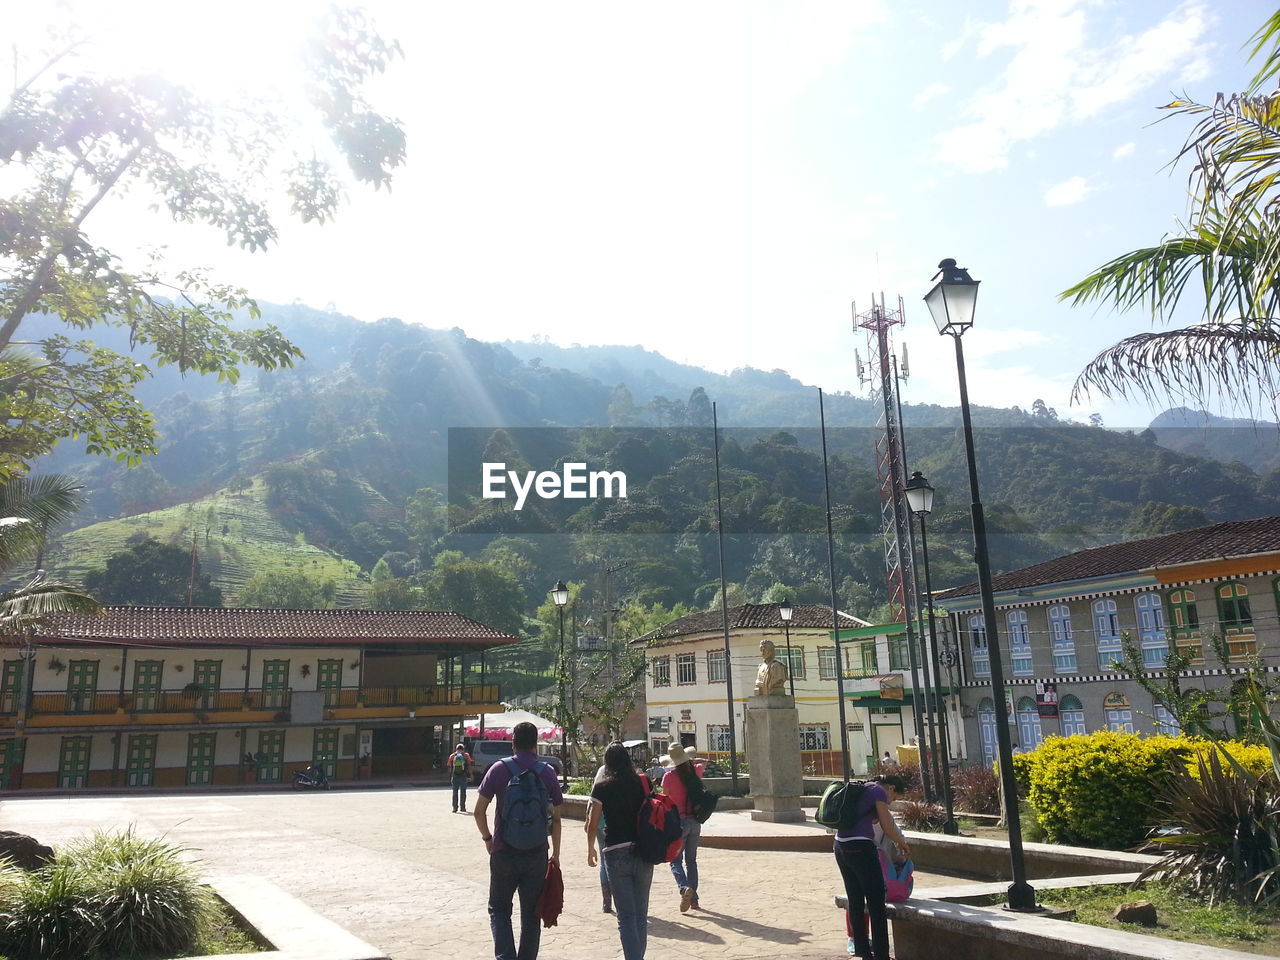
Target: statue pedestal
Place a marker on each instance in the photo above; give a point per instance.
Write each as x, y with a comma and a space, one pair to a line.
773, 752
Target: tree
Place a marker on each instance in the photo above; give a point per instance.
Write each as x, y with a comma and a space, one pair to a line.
1228, 251
29, 508
78, 138
151, 573
475, 590
287, 590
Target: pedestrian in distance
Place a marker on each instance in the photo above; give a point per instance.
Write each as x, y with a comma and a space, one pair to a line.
858, 858
679, 783
606, 895
529, 804
618, 798
459, 764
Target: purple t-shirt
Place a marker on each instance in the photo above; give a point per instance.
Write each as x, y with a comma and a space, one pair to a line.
872, 794
495, 783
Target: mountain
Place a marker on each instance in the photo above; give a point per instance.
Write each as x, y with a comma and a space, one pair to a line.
357, 456
1255, 443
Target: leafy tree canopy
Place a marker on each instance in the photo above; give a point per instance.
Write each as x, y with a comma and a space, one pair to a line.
476, 590
151, 573
287, 590
73, 137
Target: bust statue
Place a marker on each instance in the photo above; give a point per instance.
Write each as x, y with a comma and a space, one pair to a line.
771, 678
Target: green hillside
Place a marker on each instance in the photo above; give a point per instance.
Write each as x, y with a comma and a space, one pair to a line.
236, 536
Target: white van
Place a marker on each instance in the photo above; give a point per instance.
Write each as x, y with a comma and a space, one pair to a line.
485, 753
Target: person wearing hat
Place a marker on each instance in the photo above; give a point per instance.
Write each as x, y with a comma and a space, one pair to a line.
459, 767
678, 782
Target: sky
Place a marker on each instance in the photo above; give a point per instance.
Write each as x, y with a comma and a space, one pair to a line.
722, 181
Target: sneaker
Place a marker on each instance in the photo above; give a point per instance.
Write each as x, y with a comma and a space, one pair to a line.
853, 951
686, 899
694, 905
606, 908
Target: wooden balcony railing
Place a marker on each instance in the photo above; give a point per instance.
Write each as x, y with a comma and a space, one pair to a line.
224, 701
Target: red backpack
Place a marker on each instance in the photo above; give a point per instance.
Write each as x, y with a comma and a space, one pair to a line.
659, 837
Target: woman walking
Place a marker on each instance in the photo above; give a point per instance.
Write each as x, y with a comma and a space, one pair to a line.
858, 858
617, 797
679, 783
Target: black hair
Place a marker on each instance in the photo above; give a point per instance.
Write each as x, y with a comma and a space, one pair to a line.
524, 736
618, 766
893, 780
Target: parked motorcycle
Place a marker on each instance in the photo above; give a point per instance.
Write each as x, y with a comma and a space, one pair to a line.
312, 778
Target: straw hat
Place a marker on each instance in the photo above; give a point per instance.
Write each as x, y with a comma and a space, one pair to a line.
679, 756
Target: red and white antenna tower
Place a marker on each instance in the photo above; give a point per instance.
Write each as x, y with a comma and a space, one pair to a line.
881, 373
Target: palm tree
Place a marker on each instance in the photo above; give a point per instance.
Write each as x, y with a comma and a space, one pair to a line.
29, 506
1228, 251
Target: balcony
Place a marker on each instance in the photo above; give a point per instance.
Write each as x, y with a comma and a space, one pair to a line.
93, 708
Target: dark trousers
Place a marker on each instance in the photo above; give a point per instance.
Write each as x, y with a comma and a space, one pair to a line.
459, 783
859, 863
512, 872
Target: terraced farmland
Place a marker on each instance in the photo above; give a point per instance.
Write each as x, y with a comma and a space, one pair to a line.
236, 537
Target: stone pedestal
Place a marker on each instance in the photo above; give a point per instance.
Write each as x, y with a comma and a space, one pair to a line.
773, 752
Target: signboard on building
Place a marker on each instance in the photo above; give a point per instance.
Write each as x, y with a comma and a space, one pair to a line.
891, 686
1115, 701
1047, 699
659, 724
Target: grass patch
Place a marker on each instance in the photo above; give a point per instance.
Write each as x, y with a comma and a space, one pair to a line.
223, 932
1181, 917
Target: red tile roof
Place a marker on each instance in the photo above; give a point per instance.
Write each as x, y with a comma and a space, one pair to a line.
213, 626
749, 616
1235, 538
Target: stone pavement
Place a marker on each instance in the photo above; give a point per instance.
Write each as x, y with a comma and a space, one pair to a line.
400, 871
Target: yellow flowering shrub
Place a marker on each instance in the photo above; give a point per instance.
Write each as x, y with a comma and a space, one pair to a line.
1254, 758
1095, 790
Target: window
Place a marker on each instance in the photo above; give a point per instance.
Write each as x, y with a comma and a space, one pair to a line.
270, 755
899, 658
1184, 619
82, 687
275, 683
1071, 712
687, 668
1151, 635
1063, 638
200, 754
815, 736
1019, 643
146, 685
329, 680
794, 659
661, 671
1106, 631
978, 643
718, 737
987, 727
1236, 619
73, 762
208, 674
1119, 713
140, 762
1029, 734
324, 750
1166, 722
11, 685
716, 673
826, 663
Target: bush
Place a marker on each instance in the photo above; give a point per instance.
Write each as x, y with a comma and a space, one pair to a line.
1255, 759
579, 787
1095, 790
111, 896
975, 789
919, 815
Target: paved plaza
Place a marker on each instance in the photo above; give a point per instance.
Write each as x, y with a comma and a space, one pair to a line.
400, 871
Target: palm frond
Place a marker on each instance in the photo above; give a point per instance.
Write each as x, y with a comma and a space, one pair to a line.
1268, 35
1227, 358
27, 606
45, 502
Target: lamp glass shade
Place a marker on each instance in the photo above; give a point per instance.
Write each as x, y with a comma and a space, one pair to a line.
919, 494
560, 593
952, 304
785, 609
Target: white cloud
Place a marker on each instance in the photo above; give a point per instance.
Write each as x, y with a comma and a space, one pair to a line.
931, 92
1067, 192
1058, 73
1124, 150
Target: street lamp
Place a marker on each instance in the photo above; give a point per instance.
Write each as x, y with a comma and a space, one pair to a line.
560, 594
920, 501
785, 609
952, 302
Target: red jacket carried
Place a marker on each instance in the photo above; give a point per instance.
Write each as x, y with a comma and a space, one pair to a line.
551, 900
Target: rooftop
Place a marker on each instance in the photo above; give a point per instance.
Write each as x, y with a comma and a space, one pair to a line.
215, 626
749, 616
1234, 538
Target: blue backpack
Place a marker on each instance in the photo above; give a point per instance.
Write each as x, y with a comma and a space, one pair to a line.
525, 809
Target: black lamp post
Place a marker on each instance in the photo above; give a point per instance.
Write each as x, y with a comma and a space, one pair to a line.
920, 500
560, 594
952, 302
784, 611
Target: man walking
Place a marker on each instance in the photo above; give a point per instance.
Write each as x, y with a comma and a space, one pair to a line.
459, 764
528, 810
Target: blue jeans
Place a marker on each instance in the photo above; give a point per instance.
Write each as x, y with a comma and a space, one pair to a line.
630, 879
459, 783
512, 871
685, 867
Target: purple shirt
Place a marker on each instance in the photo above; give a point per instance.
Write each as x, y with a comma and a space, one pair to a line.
495, 783
872, 794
